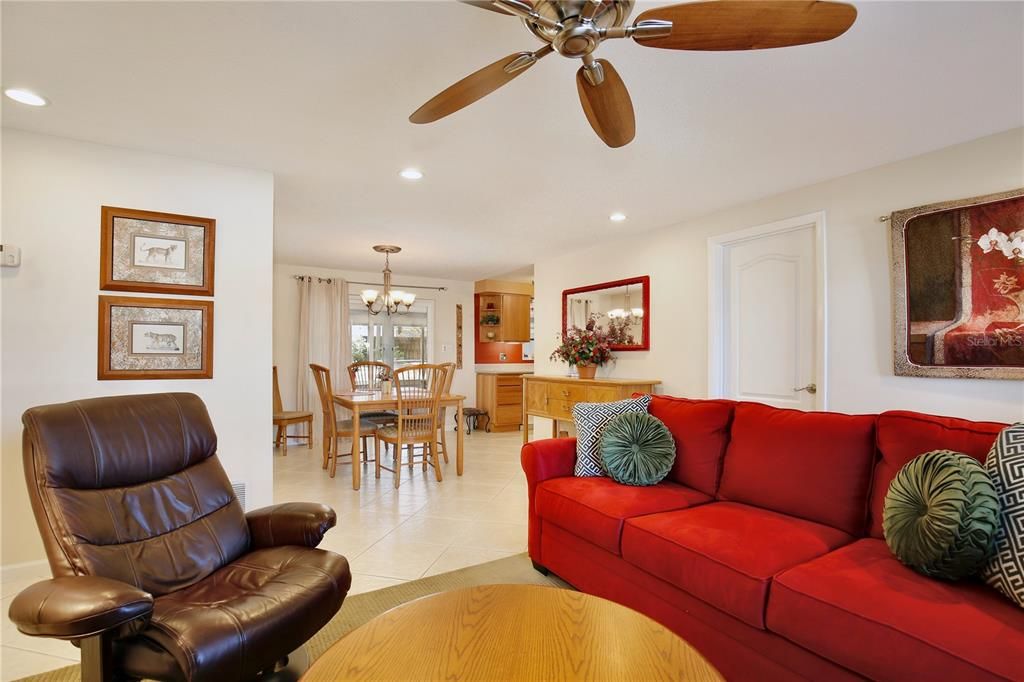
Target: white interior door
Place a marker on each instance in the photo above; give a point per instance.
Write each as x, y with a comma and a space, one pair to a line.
769, 318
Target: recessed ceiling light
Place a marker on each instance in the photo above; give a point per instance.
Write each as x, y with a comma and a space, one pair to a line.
26, 97
411, 173
617, 217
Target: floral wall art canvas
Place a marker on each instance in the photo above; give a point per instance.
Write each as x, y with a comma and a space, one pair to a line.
958, 283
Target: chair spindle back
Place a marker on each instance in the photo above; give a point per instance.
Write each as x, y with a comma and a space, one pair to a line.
418, 389
365, 375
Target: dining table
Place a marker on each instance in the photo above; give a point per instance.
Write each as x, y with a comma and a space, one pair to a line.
375, 401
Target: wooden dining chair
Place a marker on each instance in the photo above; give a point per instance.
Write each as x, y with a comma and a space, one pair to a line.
442, 412
283, 419
418, 404
418, 376
365, 375
335, 429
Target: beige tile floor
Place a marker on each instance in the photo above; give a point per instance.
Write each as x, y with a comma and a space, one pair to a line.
388, 535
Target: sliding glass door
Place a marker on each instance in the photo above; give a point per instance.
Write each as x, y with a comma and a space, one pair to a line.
402, 339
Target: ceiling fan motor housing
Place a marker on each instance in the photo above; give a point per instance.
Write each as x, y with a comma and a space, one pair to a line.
577, 38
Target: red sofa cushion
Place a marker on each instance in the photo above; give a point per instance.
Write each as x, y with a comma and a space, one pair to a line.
701, 431
815, 465
902, 436
594, 508
861, 608
725, 553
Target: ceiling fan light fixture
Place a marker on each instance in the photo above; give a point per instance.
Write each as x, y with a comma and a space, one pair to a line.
411, 173
26, 97
617, 217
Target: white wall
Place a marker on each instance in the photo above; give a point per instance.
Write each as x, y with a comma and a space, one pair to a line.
859, 293
52, 192
286, 321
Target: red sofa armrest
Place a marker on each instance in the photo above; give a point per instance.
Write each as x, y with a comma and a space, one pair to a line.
541, 460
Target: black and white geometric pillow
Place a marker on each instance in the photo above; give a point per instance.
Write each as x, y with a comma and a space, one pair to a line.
1005, 465
590, 420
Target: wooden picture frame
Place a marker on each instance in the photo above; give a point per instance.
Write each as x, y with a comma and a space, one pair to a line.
645, 296
156, 253
958, 299
154, 338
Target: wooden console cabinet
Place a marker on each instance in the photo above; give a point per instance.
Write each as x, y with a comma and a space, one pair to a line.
553, 397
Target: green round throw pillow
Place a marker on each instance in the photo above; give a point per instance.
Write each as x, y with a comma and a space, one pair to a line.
941, 514
637, 449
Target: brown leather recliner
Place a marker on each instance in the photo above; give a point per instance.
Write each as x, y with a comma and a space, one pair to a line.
158, 572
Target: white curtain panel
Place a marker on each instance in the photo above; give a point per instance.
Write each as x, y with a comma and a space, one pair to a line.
324, 337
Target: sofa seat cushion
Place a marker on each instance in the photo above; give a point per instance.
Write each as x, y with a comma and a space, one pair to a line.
863, 609
595, 508
725, 553
236, 621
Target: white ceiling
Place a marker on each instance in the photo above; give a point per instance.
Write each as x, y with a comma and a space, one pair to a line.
319, 93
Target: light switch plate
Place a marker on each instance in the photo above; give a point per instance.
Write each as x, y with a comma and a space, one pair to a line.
10, 256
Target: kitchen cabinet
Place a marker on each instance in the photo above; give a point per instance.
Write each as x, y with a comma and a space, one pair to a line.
502, 396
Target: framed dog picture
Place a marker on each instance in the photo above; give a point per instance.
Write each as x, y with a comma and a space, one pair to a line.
155, 338
160, 253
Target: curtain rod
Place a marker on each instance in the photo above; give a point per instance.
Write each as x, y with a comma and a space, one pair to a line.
374, 284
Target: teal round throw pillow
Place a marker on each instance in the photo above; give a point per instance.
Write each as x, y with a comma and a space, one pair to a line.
940, 515
637, 449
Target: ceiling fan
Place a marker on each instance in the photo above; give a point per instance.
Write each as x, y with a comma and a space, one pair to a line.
576, 28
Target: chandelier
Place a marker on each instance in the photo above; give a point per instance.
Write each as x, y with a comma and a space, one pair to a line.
389, 301
628, 312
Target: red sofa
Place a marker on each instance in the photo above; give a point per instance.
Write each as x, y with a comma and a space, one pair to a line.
763, 547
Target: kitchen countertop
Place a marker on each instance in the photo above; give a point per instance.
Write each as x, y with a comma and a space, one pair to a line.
506, 371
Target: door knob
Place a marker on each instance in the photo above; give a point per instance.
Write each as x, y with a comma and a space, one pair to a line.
810, 388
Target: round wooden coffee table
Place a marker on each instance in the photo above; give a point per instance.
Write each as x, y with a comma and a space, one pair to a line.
511, 632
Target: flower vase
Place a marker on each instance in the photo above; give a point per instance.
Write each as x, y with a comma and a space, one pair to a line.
385, 387
588, 371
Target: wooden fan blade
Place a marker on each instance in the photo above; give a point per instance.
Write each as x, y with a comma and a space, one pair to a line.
468, 90
608, 106
749, 24
486, 4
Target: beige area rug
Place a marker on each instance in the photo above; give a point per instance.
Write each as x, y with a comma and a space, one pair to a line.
360, 608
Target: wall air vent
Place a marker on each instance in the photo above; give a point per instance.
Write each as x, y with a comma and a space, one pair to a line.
239, 489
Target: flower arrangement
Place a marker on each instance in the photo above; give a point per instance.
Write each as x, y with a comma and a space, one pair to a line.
384, 374
587, 346
1010, 245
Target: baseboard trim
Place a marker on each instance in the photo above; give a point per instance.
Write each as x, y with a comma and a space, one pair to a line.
26, 570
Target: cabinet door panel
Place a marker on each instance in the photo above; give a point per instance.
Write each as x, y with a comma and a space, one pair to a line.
515, 317
537, 397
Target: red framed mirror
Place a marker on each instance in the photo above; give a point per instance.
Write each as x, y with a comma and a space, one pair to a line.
625, 303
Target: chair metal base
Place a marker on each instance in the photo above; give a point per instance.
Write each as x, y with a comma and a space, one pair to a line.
289, 669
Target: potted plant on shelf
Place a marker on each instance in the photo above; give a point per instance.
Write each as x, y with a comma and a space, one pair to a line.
587, 348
